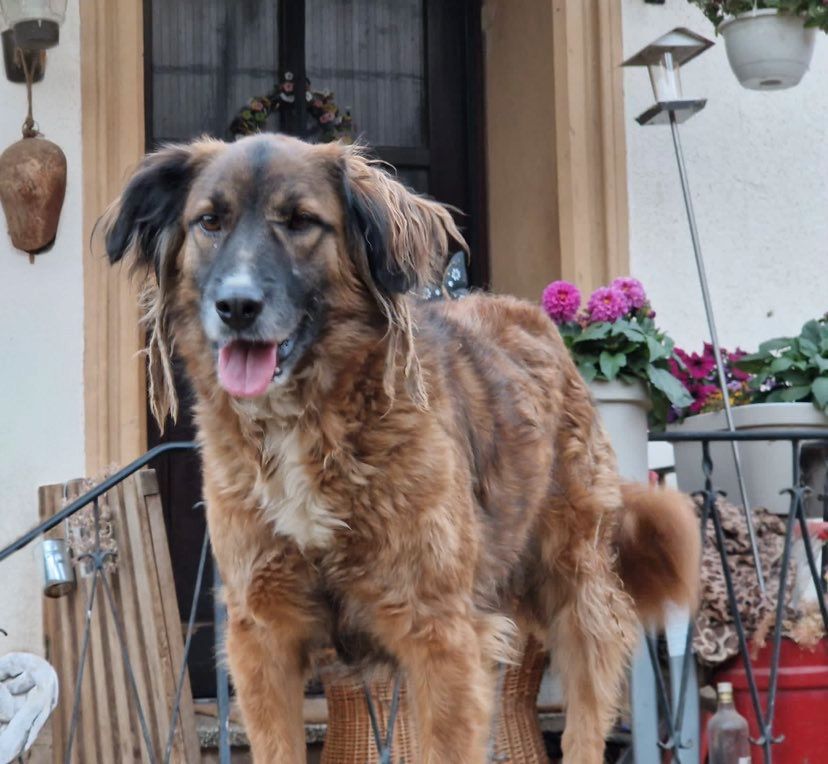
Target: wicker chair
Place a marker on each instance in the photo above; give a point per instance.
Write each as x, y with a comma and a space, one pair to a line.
350, 740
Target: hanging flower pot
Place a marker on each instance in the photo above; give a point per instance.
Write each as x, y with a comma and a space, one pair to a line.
768, 50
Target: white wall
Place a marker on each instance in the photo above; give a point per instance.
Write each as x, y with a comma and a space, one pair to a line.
758, 167
41, 342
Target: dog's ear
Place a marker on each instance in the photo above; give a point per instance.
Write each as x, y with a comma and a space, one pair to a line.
147, 219
147, 216
404, 237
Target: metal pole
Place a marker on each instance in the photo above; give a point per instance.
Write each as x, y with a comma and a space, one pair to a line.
222, 677
714, 339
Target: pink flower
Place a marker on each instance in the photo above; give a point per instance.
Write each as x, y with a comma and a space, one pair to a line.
607, 304
699, 366
633, 290
677, 371
561, 300
701, 394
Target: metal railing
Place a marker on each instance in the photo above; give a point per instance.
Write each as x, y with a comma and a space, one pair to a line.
97, 558
671, 717
708, 497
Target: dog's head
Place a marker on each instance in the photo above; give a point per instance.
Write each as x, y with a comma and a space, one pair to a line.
262, 246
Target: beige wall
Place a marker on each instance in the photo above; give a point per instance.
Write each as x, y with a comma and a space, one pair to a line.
521, 145
556, 143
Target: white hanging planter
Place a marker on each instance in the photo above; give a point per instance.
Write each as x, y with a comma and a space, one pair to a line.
768, 50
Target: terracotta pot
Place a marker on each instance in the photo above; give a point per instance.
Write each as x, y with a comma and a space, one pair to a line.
32, 187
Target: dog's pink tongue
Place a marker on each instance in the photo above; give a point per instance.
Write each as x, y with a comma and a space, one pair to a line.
245, 370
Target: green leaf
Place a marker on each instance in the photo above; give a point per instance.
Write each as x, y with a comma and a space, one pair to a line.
611, 364
819, 389
796, 393
752, 366
780, 343
796, 378
656, 349
820, 362
811, 331
588, 371
808, 347
780, 364
594, 332
628, 330
662, 380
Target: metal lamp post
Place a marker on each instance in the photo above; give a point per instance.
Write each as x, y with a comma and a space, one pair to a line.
664, 59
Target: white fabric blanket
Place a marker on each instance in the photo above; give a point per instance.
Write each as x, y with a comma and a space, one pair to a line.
28, 694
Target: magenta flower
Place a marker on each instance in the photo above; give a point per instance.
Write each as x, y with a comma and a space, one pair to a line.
633, 290
677, 371
607, 304
561, 300
699, 366
737, 374
701, 395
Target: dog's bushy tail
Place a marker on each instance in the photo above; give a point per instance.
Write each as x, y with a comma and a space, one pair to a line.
659, 548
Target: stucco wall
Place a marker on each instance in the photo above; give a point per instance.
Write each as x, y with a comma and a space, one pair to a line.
758, 167
41, 343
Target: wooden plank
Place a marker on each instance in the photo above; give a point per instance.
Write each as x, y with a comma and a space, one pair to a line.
142, 585
186, 745
112, 109
133, 589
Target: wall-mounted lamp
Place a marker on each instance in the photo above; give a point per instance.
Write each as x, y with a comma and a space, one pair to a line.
32, 170
664, 58
35, 23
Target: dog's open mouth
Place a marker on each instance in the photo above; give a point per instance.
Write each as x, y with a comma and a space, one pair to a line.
246, 369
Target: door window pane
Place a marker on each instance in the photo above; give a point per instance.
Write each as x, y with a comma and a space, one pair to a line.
209, 58
371, 54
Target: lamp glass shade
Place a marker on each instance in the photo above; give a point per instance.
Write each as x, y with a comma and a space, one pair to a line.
35, 23
16, 11
665, 77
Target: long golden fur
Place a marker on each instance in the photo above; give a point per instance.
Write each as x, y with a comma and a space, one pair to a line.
430, 477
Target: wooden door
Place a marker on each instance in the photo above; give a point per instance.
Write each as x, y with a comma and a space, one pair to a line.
409, 71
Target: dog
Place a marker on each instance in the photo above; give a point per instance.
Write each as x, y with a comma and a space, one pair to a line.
418, 480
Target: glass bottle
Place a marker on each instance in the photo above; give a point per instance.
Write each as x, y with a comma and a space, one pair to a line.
727, 731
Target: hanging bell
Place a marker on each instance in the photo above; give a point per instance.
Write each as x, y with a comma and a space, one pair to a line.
32, 187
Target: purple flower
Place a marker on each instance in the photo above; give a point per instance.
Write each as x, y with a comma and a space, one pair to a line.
561, 301
633, 290
607, 304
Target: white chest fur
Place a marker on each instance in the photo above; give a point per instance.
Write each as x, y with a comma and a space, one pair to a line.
289, 496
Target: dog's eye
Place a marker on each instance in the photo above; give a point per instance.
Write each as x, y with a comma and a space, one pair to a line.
300, 221
210, 223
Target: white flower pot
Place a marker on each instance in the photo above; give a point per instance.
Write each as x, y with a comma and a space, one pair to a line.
623, 409
767, 465
768, 50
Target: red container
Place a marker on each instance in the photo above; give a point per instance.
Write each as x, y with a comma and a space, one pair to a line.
801, 701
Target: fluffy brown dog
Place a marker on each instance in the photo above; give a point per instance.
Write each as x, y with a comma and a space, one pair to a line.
410, 479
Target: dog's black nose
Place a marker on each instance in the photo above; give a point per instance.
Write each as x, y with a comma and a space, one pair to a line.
239, 308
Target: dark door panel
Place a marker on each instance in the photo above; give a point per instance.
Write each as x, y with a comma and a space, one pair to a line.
410, 71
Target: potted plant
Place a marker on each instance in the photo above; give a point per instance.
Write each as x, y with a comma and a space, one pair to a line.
625, 359
784, 385
769, 43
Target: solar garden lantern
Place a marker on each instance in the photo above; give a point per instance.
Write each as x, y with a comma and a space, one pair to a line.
36, 23
664, 59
